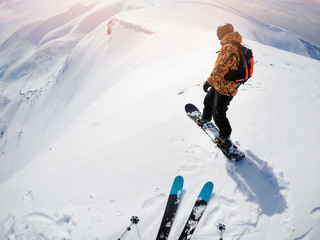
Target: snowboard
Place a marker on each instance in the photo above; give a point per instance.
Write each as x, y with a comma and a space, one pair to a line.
171, 209
197, 211
230, 150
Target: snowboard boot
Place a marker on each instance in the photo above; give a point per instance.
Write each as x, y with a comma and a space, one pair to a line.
201, 121
221, 141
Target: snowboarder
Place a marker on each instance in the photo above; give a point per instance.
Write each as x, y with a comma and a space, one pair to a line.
221, 91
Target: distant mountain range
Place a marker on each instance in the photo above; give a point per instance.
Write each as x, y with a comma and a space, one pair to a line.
313, 50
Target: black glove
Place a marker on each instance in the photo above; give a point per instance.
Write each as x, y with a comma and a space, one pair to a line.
206, 86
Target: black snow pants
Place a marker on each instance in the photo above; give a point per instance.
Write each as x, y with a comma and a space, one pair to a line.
216, 106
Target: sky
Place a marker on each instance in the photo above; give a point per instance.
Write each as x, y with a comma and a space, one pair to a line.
301, 17
16, 13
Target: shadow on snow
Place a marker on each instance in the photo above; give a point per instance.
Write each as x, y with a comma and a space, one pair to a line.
257, 180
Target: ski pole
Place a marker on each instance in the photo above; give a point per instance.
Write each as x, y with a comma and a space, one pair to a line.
222, 228
133, 220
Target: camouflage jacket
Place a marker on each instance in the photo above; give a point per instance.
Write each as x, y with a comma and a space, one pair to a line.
228, 58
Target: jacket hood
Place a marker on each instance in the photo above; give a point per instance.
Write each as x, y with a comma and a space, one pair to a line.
231, 37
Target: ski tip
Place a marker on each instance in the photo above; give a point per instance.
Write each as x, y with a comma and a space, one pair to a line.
177, 185
209, 185
178, 178
206, 191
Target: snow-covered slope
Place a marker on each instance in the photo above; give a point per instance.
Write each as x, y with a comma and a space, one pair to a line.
93, 128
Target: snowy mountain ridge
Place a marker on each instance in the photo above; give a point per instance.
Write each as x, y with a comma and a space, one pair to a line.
313, 51
93, 129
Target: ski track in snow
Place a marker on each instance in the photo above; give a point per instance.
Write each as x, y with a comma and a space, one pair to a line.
305, 236
193, 160
61, 224
316, 211
38, 225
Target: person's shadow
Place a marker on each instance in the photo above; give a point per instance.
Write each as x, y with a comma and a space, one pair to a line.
257, 181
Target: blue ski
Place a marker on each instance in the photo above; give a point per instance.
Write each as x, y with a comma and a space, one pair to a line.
171, 209
197, 211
